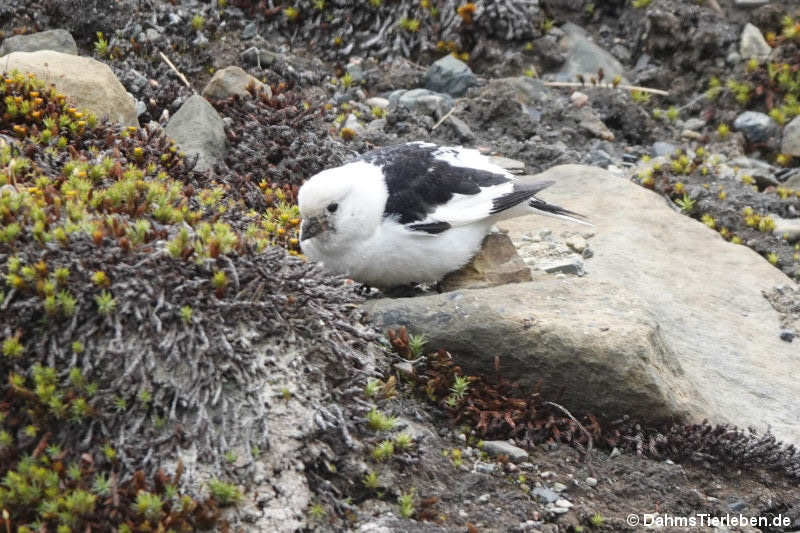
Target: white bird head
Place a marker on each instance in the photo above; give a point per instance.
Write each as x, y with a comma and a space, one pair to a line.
340, 206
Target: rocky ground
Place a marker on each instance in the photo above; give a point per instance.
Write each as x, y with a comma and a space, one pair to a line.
718, 137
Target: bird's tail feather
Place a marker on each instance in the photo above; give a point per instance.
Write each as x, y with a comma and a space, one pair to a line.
551, 210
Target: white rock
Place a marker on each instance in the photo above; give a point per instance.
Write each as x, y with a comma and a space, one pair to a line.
377, 101
578, 99
752, 43
791, 138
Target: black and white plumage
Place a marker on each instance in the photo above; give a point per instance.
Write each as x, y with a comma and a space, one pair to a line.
410, 213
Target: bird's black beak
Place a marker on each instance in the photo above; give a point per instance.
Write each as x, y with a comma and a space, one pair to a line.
312, 227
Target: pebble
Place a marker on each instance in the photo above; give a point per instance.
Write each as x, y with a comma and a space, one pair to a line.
501, 447
694, 124
787, 335
545, 495
661, 148
483, 498
578, 99
791, 138
405, 368
484, 468
561, 502
377, 101
757, 127
556, 509
737, 506
753, 44
559, 487
569, 265
577, 243
592, 482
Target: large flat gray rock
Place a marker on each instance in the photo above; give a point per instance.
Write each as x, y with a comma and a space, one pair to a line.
668, 321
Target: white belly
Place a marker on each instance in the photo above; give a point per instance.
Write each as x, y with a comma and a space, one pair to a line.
394, 256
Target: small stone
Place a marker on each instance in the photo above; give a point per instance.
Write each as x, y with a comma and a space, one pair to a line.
423, 101
483, 498
377, 101
578, 99
501, 447
786, 228
752, 43
661, 148
561, 502
547, 474
559, 487
232, 81
791, 138
250, 30
694, 124
201, 41
545, 495
737, 506
462, 129
152, 35
198, 129
485, 468
577, 244
450, 75
787, 335
757, 127
497, 263
556, 509
461, 437
405, 368
592, 482
569, 265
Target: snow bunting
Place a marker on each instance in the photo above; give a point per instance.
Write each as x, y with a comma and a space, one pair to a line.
410, 213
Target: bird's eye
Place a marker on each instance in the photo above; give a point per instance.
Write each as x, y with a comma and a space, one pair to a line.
332, 207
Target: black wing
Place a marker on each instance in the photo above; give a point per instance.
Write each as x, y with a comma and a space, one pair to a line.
418, 182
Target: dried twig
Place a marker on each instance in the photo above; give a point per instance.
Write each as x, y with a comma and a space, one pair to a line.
445, 117
178, 72
588, 455
606, 86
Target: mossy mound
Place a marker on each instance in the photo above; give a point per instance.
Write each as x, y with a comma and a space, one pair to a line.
278, 142
407, 28
136, 320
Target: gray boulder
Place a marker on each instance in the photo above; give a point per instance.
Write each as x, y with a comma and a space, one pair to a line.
198, 129
584, 57
670, 323
450, 75
56, 40
757, 127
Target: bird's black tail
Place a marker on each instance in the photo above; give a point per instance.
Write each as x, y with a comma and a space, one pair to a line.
558, 212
